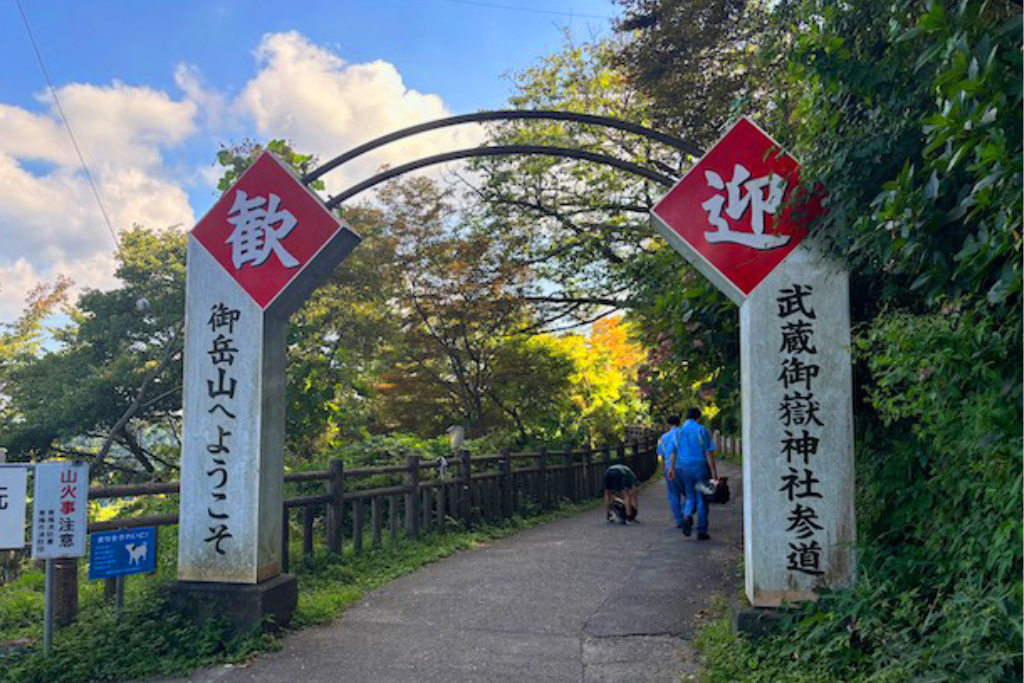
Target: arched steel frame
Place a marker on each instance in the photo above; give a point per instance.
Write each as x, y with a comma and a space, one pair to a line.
502, 150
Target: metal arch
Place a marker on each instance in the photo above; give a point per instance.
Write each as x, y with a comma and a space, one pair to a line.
508, 115
535, 150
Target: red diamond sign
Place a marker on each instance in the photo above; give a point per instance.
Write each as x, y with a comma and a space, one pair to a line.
266, 229
730, 214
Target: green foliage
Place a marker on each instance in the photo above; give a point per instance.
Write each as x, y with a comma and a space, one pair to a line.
22, 340
883, 631
952, 487
909, 113
691, 331
584, 228
237, 159
696, 60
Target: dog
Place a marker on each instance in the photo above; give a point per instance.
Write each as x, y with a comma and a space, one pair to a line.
617, 513
137, 552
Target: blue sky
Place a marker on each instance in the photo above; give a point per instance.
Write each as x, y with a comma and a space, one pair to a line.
153, 88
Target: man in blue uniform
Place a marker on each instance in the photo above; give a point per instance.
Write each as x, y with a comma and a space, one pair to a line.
693, 465
666, 447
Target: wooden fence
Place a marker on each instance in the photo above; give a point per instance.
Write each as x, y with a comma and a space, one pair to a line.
350, 506
416, 497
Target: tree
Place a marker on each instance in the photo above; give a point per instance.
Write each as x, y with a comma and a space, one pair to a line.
696, 60
21, 342
585, 230
460, 300
116, 372
111, 390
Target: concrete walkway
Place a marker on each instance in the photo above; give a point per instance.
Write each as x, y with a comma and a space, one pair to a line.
575, 600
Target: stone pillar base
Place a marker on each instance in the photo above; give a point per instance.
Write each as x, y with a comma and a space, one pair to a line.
246, 607
757, 622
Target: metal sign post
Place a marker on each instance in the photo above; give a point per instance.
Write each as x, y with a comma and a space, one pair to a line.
59, 520
48, 608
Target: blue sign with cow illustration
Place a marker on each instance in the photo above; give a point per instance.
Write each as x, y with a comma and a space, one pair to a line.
123, 552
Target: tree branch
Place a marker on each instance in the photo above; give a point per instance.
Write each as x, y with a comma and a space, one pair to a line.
170, 351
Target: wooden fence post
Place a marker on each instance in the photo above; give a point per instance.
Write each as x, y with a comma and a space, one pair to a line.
412, 497
307, 531
439, 496
285, 541
393, 518
65, 590
336, 508
635, 456
567, 487
466, 499
375, 520
426, 497
588, 471
542, 489
357, 526
506, 483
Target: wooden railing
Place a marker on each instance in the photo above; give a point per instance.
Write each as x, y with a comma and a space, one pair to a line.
416, 499
728, 446
473, 489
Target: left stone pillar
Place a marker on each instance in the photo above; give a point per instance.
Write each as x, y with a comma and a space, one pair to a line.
233, 439
232, 466
252, 261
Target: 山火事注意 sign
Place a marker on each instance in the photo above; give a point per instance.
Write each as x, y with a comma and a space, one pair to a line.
60, 505
733, 217
122, 552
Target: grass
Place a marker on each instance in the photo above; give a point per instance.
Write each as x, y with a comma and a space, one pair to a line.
104, 646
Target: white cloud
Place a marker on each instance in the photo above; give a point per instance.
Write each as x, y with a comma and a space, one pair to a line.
212, 104
49, 220
19, 277
326, 106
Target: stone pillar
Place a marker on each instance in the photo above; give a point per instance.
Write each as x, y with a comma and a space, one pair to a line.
233, 432
253, 260
798, 469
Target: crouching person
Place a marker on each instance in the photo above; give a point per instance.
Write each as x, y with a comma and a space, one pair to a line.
620, 494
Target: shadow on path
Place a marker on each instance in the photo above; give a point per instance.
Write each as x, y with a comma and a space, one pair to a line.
575, 600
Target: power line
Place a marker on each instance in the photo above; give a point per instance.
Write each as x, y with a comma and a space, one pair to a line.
514, 8
67, 125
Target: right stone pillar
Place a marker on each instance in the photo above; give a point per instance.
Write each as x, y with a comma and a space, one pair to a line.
798, 462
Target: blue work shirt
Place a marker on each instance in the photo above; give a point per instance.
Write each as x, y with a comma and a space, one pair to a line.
692, 441
666, 445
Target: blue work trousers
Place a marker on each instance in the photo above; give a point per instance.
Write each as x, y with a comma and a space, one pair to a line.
688, 475
675, 498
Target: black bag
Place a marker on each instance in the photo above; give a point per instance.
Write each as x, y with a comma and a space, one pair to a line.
721, 494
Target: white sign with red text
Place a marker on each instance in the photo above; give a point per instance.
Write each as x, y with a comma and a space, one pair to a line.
60, 506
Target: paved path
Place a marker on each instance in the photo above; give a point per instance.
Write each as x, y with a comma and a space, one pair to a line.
576, 600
